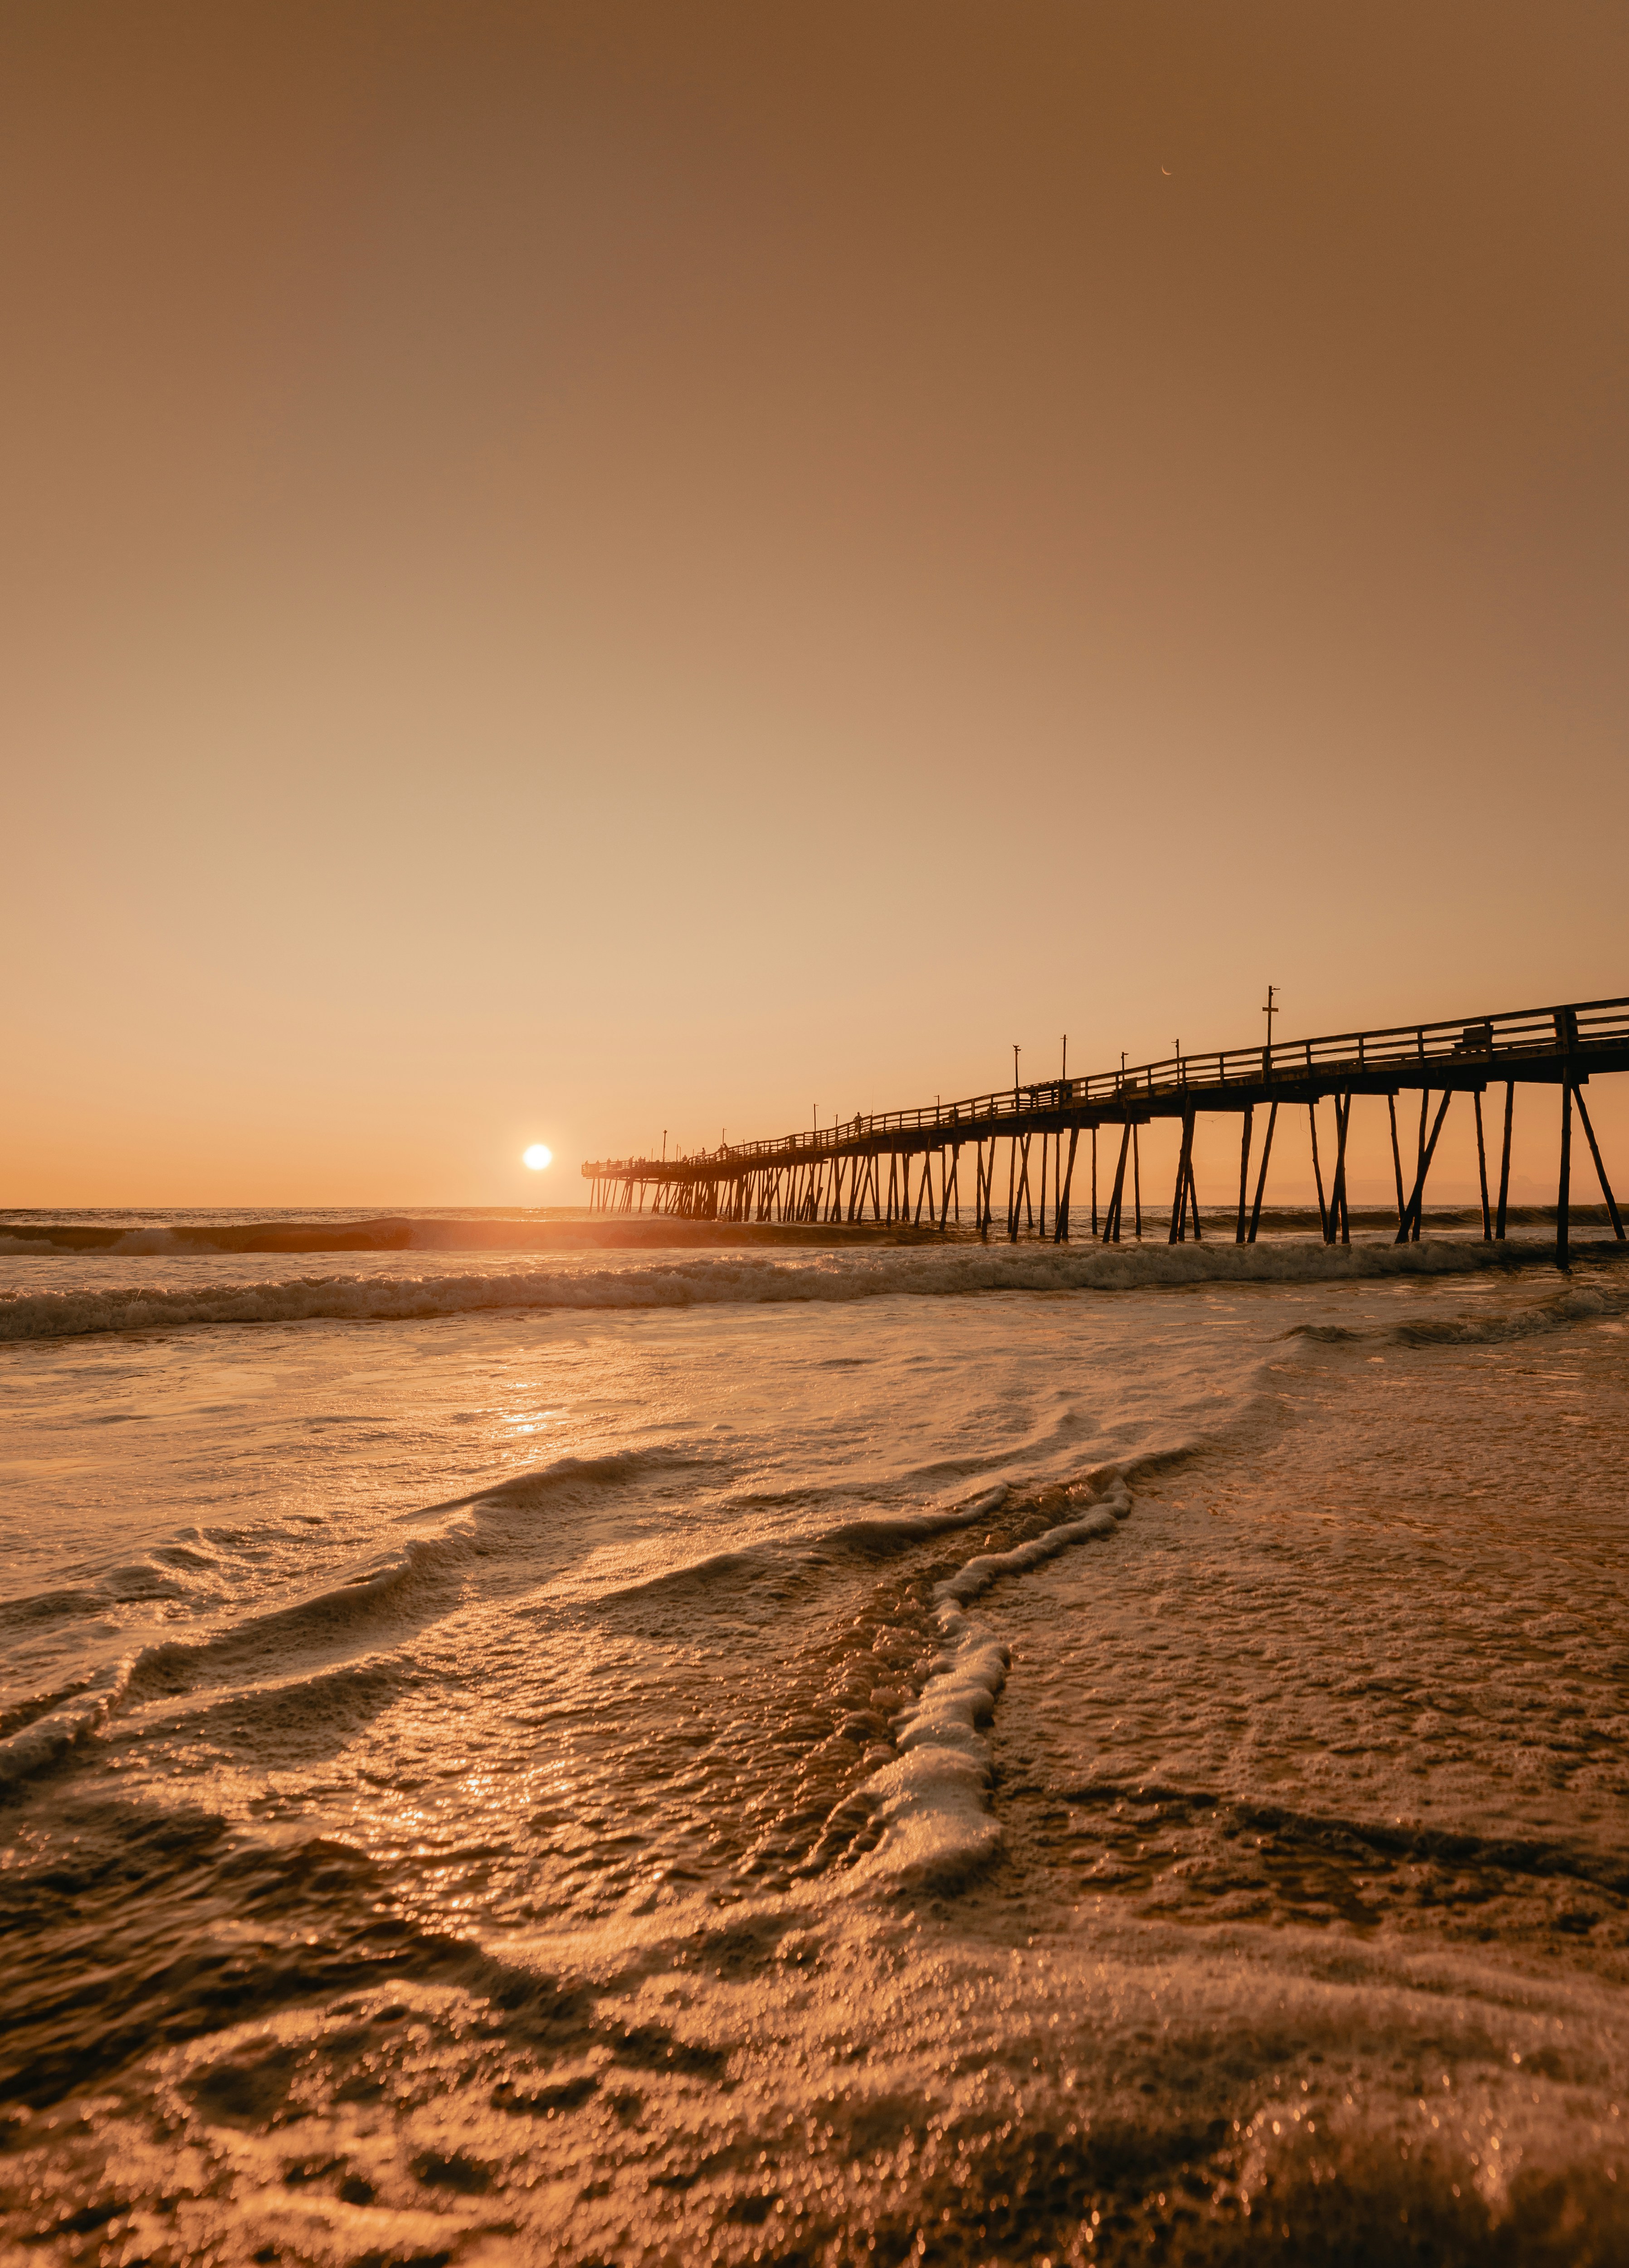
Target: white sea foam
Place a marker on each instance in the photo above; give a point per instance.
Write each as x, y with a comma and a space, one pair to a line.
731, 1279
932, 1799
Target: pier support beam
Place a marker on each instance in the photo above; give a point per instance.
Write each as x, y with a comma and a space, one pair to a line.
1112, 1218
1481, 1169
1504, 1163
1184, 1191
1261, 1178
1239, 1234
1595, 1151
1409, 1227
1061, 1230
1563, 1196
1339, 1215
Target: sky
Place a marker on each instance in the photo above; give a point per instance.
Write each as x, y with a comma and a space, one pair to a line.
574, 572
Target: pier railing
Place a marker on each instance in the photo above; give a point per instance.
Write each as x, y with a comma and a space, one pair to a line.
1534, 1038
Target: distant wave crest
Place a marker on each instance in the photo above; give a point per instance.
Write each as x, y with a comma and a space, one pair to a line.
724, 1280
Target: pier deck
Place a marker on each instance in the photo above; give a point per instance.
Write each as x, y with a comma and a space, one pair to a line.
837, 1174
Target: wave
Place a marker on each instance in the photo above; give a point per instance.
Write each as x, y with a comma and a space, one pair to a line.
329, 1621
868, 1535
316, 1633
738, 1278
61, 1721
570, 1229
1580, 1306
401, 1233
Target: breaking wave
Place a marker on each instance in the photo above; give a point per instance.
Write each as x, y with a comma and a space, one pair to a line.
738, 1278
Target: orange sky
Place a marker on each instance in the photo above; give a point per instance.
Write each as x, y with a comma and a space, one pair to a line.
577, 569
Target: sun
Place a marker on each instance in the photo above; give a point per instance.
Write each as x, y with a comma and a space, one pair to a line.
537, 1157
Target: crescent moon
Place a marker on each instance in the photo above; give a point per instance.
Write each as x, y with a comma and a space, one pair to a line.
1166, 171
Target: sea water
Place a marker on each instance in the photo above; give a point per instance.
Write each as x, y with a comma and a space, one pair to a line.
750, 1752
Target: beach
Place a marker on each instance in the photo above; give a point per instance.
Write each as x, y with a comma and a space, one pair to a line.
815, 1753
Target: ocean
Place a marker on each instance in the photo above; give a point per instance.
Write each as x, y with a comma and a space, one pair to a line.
574, 1741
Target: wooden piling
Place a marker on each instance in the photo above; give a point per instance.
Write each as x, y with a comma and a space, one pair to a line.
1416, 1204
1061, 1230
1312, 1120
1193, 1198
1339, 1214
1595, 1151
1261, 1178
1481, 1169
1245, 1131
1563, 1226
1425, 1098
1185, 1172
1111, 1220
1179, 1193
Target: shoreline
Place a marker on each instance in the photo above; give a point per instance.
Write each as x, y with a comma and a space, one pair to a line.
123, 1236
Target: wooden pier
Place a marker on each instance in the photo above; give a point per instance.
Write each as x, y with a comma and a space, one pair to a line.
904, 1167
